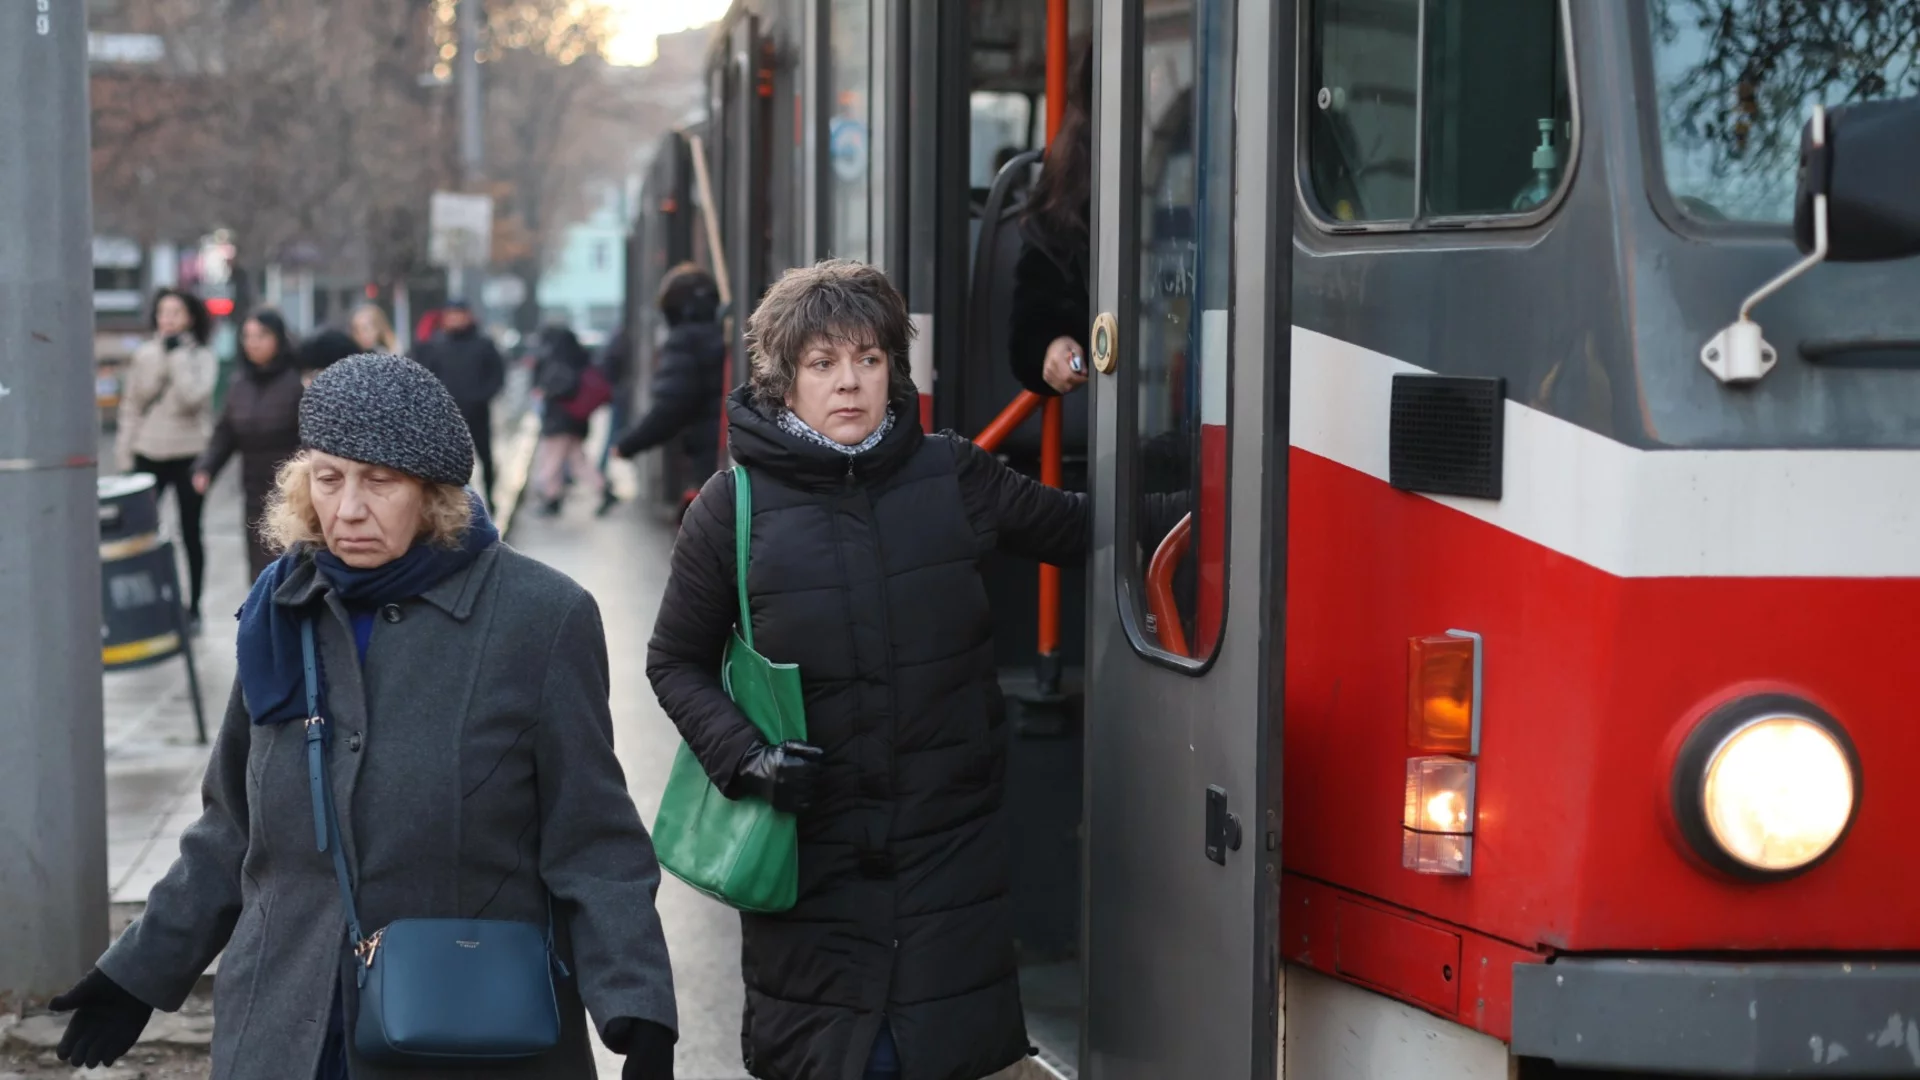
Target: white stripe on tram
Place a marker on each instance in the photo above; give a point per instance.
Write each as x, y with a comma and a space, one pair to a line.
1632, 512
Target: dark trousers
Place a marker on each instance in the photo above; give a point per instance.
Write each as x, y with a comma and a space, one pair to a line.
480, 426
177, 474
884, 1062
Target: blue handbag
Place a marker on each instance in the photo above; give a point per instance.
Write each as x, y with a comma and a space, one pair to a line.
435, 990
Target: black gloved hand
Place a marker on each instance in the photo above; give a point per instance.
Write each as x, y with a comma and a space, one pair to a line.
648, 1048
786, 775
106, 1021
172, 342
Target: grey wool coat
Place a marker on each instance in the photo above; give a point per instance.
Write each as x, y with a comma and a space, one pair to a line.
473, 766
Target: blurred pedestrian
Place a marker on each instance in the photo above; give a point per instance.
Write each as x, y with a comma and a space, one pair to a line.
616, 363
570, 388
166, 416
372, 331
323, 349
260, 422
867, 537
690, 377
466, 785
470, 366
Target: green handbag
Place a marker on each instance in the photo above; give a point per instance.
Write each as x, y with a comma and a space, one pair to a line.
742, 852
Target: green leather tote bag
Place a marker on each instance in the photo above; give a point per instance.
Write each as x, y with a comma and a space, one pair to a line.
743, 852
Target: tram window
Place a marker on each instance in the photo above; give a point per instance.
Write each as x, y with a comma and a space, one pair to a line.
850, 75
1178, 354
1001, 126
1734, 81
1436, 108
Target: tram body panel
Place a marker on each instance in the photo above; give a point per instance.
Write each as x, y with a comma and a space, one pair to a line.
1663, 543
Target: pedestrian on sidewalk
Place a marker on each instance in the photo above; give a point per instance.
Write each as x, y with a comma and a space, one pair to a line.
324, 348
690, 380
261, 422
470, 366
866, 542
470, 748
372, 331
166, 417
571, 388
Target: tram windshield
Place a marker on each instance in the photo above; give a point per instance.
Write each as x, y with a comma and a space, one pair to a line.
1734, 81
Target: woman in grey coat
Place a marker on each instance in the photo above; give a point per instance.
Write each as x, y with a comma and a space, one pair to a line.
471, 761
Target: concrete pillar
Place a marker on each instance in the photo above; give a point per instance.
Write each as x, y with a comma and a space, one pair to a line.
53, 844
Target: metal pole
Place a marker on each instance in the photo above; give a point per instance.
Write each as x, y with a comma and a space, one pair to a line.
472, 150
53, 834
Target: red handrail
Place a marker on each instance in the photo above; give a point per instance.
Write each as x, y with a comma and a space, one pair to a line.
1160, 603
1008, 421
1047, 641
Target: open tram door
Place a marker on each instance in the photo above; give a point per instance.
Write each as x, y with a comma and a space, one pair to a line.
1186, 585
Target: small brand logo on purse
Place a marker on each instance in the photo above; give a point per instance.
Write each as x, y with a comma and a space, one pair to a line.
467, 944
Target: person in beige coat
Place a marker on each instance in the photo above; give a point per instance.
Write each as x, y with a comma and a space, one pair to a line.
166, 416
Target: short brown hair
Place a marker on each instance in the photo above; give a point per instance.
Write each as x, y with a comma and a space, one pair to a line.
290, 519
834, 300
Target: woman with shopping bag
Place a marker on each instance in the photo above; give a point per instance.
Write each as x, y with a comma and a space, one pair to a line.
846, 552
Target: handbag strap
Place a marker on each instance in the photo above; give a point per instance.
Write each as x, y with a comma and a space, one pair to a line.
326, 820
326, 817
742, 543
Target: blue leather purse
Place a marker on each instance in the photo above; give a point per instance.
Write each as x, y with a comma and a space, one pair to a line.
435, 990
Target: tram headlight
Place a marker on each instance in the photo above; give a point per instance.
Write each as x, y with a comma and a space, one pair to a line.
1766, 787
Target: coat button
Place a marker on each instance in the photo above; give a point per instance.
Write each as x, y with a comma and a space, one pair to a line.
391, 613
353, 742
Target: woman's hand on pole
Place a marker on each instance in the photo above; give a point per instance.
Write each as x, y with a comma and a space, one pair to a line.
1065, 368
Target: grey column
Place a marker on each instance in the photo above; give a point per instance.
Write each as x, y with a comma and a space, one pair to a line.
53, 858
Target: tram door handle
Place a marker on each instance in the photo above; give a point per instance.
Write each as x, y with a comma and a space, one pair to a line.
1223, 828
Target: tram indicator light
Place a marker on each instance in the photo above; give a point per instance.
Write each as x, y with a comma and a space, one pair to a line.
1436, 834
1443, 693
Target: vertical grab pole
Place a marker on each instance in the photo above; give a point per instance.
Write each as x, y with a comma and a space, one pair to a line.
1048, 637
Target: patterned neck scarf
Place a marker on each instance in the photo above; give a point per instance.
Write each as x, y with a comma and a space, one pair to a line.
800, 429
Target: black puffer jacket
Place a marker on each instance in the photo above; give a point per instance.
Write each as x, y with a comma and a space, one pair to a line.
865, 572
686, 396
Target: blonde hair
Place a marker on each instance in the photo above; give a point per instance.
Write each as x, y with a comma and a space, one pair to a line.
388, 343
290, 519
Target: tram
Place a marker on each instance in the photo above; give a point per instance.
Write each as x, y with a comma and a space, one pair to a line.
1525, 689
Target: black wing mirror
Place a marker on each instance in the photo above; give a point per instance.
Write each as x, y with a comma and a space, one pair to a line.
1858, 201
1867, 167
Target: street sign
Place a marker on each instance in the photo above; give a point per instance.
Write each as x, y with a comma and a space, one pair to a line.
503, 291
460, 229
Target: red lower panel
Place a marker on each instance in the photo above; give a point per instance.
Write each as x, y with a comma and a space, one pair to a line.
1447, 970
1590, 679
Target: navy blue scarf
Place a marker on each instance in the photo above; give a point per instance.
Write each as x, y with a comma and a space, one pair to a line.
271, 677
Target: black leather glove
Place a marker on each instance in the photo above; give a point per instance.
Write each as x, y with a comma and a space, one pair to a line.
106, 1021
172, 342
648, 1047
787, 775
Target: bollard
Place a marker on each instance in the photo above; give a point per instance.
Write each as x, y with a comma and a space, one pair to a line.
141, 619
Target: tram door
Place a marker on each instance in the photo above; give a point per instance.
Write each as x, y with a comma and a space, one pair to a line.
1188, 345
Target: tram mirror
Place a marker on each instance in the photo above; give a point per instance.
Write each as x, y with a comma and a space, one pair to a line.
1865, 166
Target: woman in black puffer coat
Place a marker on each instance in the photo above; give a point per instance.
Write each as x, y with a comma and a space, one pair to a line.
867, 537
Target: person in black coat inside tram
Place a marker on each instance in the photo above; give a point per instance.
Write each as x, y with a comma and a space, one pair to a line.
691, 377
1052, 308
867, 536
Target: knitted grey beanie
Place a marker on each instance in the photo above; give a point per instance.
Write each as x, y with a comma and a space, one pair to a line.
387, 410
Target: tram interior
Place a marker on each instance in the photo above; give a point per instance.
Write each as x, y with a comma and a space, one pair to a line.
1007, 118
